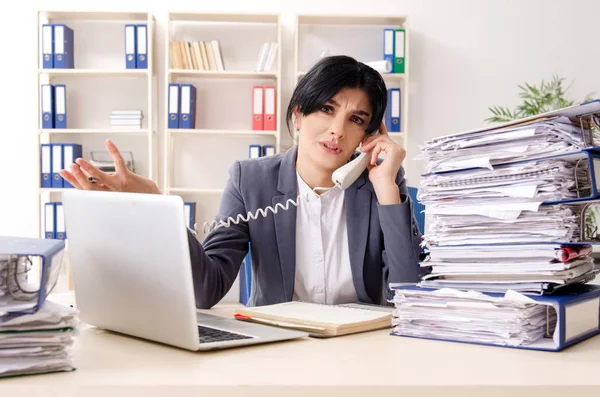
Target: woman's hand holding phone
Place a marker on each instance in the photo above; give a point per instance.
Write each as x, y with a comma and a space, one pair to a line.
383, 176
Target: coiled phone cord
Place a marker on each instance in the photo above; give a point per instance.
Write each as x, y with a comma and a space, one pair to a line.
208, 227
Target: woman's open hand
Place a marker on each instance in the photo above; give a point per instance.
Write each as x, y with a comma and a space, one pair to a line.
84, 176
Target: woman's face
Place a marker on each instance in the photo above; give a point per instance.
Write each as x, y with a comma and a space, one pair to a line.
331, 134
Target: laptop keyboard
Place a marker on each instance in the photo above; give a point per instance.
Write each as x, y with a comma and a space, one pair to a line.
208, 335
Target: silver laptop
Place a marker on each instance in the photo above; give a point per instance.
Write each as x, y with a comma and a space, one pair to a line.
132, 273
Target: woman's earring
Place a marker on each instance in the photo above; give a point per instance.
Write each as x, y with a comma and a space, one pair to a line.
296, 135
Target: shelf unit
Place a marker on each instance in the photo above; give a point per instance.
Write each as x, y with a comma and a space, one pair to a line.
94, 88
196, 160
319, 34
223, 105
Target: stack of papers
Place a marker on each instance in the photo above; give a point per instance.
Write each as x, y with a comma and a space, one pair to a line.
35, 334
509, 320
530, 268
37, 343
539, 138
128, 119
479, 224
536, 181
493, 199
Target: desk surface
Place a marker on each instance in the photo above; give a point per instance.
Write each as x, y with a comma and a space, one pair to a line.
106, 362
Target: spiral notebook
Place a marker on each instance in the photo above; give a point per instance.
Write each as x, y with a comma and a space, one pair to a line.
318, 319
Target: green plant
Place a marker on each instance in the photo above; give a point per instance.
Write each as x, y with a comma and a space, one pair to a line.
548, 96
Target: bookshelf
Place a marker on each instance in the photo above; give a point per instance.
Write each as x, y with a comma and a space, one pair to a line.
94, 88
197, 160
316, 35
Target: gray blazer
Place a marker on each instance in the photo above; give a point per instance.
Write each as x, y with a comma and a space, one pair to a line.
383, 240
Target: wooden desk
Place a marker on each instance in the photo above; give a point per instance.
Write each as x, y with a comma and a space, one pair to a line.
110, 364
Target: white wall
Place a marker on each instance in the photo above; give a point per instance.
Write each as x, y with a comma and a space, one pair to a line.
464, 56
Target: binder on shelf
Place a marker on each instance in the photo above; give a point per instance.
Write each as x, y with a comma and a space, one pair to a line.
257, 108
174, 106
63, 47
57, 165
47, 46
268, 150
571, 317
399, 50
269, 114
71, 152
50, 220
188, 107
392, 112
47, 106
60, 106
61, 232
142, 46
246, 277
130, 45
388, 46
50, 254
190, 213
254, 151
46, 165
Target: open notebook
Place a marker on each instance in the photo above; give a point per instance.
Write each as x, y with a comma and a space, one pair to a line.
317, 319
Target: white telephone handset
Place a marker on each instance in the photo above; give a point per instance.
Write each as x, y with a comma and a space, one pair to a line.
345, 176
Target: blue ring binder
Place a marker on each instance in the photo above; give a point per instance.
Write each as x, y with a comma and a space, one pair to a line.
49, 252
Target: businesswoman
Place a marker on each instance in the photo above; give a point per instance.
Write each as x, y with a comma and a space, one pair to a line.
338, 245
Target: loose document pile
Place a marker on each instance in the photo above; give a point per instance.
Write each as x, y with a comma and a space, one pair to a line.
509, 320
31, 343
37, 343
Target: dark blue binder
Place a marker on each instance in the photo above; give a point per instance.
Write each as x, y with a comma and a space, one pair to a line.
190, 213
141, 48
418, 208
47, 105
188, 106
50, 220
174, 105
246, 277
268, 150
392, 111
47, 46
71, 152
60, 231
46, 165
63, 47
60, 106
388, 45
50, 253
130, 45
57, 165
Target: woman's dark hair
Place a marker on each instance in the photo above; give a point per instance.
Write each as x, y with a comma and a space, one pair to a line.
326, 78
